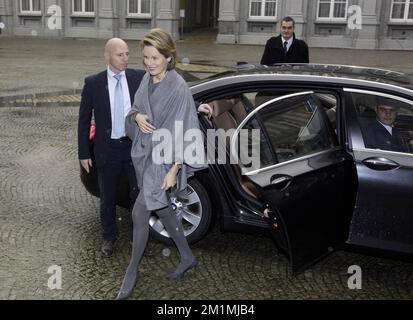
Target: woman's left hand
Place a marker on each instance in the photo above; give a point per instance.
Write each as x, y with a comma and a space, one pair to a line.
207, 109
170, 179
144, 124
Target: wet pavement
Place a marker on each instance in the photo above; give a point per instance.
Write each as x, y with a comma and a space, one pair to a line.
47, 218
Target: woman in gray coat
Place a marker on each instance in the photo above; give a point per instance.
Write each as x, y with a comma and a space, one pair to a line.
163, 104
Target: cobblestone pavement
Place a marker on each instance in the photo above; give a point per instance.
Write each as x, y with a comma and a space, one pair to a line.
47, 218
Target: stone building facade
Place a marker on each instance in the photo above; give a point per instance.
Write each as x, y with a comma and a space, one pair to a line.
364, 24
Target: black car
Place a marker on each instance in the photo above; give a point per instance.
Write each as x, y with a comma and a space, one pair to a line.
317, 185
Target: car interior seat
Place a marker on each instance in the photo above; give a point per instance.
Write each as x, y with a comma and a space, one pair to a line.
228, 114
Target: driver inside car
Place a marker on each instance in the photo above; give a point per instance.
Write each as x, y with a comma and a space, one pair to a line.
383, 134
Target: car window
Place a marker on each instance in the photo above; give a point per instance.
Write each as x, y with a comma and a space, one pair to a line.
228, 113
386, 123
329, 103
290, 129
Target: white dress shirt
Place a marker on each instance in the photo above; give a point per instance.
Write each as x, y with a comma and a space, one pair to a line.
387, 127
126, 97
290, 42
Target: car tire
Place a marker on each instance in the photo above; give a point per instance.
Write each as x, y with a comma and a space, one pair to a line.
193, 231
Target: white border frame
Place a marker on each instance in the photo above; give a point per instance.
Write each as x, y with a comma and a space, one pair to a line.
330, 17
31, 11
139, 14
83, 13
262, 16
406, 12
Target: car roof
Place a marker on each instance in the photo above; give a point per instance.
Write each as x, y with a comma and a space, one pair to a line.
307, 72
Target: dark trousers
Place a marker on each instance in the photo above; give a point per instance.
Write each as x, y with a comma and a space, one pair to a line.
118, 160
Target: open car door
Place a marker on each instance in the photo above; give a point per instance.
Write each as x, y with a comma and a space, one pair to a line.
307, 179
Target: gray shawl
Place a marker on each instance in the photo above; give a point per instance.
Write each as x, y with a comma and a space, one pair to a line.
171, 101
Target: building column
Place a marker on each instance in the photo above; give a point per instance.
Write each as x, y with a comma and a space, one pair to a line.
108, 21
6, 16
295, 9
367, 37
228, 21
168, 17
3, 15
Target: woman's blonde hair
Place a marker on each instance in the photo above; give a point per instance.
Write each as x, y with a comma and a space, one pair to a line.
163, 42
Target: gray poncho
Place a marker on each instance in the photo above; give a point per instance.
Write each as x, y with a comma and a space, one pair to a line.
171, 109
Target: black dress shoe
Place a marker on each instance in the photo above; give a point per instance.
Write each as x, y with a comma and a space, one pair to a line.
178, 275
108, 247
128, 285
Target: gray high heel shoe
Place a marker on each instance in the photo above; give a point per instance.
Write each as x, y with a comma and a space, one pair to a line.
128, 285
178, 275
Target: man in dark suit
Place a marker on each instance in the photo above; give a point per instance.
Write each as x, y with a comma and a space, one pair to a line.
381, 133
285, 48
108, 96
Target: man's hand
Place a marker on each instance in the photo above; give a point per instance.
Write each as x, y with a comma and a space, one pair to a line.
143, 124
170, 179
207, 109
86, 164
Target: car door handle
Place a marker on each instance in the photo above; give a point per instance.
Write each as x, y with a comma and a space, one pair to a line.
281, 181
380, 164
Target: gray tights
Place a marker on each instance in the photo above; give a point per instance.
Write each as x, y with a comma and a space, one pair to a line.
169, 219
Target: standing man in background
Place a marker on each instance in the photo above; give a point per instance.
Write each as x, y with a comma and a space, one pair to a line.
285, 48
108, 97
